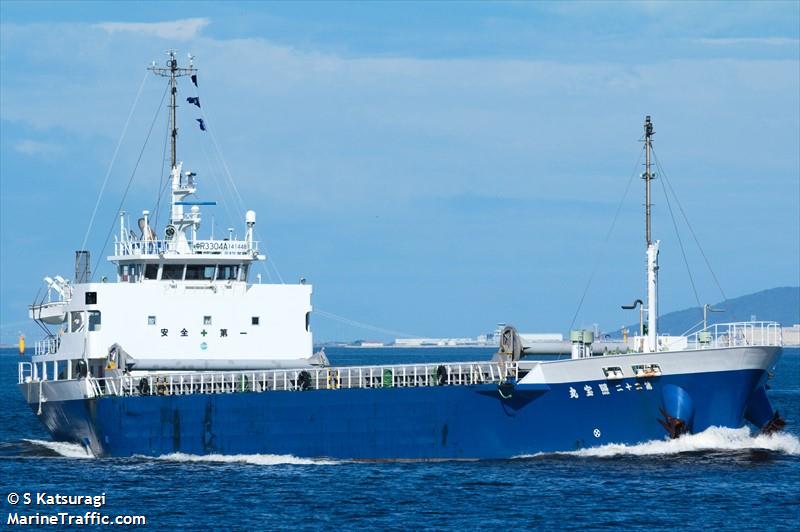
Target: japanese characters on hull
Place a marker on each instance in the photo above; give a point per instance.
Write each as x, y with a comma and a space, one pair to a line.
603, 388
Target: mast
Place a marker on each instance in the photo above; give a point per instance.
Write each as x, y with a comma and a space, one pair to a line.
648, 134
180, 221
652, 247
173, 72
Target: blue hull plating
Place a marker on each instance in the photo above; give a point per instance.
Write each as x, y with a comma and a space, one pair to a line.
446, 422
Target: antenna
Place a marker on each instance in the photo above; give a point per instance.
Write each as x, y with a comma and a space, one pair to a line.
648, 144
173, 72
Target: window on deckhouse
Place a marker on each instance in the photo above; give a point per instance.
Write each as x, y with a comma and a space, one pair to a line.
172, 272
228, 272
199, 272
151, 271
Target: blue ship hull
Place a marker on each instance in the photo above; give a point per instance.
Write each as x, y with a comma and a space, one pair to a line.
444, 422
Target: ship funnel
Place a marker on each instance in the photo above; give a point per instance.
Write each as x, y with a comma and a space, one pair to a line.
82, 270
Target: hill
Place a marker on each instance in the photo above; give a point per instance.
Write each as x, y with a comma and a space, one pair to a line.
780, 304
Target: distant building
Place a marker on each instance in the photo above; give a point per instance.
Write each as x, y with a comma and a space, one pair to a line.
368, 343
791, 336
541, 337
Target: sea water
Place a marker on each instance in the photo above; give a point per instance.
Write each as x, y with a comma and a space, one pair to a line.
718, 478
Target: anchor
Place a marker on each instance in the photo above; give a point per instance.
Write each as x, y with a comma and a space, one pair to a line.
774, 425
677, 409
676, 427
759, 412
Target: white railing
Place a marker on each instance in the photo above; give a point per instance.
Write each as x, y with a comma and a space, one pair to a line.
739, 334
26, 372
205, 247
395, 376
48, 346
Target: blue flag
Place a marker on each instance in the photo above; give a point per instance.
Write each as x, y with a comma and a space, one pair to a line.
202, 124
194, 99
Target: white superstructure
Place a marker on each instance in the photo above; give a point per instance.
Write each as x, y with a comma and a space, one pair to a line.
180, 301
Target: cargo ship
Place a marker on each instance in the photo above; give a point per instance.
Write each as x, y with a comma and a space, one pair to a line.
185, 351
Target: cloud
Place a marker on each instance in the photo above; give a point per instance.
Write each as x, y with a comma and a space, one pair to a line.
328, 122
34, 147
748, 41
184, 29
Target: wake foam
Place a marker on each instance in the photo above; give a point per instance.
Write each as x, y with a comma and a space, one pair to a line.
253, 459
67, 450
711, 439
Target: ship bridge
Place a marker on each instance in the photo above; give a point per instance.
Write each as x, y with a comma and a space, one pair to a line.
196, 260
181, 255
182, 301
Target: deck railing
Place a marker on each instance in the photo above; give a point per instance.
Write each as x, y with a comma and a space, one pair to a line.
48, 346
739, 334
26, 372
394, 376
205, 247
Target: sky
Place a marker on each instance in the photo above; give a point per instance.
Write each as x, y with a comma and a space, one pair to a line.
432, 169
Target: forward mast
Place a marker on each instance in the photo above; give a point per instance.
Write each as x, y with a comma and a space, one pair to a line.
652, 246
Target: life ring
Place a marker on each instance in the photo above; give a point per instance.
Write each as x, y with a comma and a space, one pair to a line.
441, 376
304, 380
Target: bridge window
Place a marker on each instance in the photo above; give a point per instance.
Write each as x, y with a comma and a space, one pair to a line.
228, 272
206, 320
254, 320
94, 320
199, 272
172, 272
91, 298
151, 320
127, 273
151, 271
135, 272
